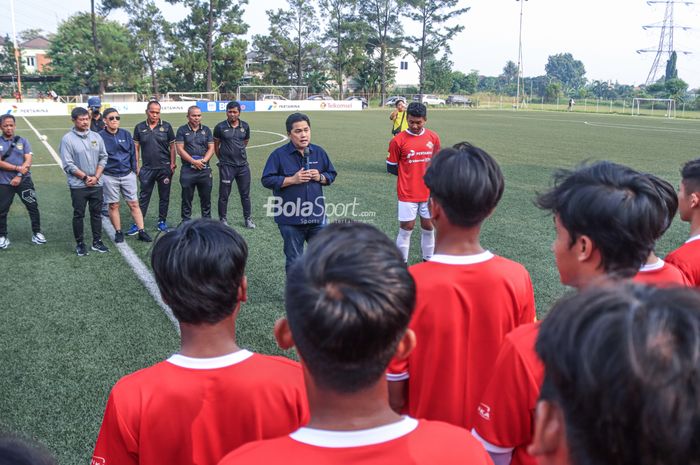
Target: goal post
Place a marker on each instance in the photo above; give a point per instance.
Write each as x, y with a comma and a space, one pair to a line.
120, 97
272, 92
648, 106
191, 96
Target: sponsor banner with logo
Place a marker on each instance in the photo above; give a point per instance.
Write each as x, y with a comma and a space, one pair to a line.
34, 109
219, 106
291, 106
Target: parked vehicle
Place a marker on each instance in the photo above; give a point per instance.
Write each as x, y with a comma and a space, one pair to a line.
319, 97
429, 99
361, 99
459, 100
392, 100
272, 97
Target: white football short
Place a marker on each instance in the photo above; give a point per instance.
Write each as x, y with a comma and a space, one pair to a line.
408, 210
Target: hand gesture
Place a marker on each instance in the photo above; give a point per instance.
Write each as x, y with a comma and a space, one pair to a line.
14, 182
302, 176
315, 175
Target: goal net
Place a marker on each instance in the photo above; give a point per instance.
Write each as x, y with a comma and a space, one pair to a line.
272, 93
119, 97
654, 106
191, 96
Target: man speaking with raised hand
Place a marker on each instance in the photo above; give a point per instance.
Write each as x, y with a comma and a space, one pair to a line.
296, 173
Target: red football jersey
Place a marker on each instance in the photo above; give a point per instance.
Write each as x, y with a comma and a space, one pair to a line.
507, 409
412, 153
661, 274
408, 441
465, 306
687, 259
187, 411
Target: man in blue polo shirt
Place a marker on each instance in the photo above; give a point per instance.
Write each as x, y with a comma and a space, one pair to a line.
296, 173
120, 175
195, 145
15, 178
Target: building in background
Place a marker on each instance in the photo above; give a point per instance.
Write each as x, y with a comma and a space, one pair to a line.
34, 54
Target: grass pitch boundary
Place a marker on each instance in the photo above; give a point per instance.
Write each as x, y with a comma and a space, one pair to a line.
137, 266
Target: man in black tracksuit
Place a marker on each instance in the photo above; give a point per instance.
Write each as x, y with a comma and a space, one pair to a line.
155, 147
230, 140
195, 145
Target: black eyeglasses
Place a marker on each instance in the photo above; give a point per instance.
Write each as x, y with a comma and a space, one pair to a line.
112, 118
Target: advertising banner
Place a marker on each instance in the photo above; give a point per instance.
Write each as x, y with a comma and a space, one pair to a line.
219, 106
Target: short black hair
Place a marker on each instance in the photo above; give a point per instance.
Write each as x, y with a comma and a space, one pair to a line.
669, 199
623, 364
349, 299
15, 450
690, 174
78, 112
7, 116
296, 118
192, 107
616, 206
109, 111
417, 110
198, 268
467, 183
233, 104
152, 102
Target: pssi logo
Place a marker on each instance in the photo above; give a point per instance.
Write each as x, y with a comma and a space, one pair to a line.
484, 411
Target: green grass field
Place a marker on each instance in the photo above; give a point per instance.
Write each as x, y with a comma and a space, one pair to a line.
70, 327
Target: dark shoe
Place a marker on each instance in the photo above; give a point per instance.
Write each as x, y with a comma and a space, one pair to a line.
249, 223
80, 249
98, 246
144, 237
118, 237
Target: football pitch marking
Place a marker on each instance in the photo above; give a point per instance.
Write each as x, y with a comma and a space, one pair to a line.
137, 266
641, 128
283, 138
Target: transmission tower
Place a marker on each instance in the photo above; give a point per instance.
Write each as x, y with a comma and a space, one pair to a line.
665, 48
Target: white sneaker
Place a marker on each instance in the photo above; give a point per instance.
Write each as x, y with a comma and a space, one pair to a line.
38, 238
4, 242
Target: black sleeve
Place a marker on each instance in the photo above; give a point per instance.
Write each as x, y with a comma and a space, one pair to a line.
392, 169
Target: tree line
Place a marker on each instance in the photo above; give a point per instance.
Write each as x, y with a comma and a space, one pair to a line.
317, 43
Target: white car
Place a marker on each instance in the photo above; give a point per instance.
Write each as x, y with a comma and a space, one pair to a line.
272, 97
430, 99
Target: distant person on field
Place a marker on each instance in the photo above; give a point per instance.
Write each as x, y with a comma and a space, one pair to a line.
687, 256
16, 179
84, 157
607, 218
467, 298
622, 379
571, 104
398, 116
656, 271
53, 95
230, 141
296, 172
348, 305
154, 140
120, 175
212, 396
18, 451
195, 145
410, 153
97, 123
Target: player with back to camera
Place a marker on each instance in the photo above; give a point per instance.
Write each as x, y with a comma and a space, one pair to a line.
410, 153
607, 218
632, 397
687, 256
467, 298
212, 396
656, 271
348, 302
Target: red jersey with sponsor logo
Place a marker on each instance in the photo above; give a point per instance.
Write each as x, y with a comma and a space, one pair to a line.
408, 441
187, 411
507, 408
465, 306
687, 259
661, 274
412, 154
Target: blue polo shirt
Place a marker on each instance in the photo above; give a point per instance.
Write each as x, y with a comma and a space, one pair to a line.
307, 198
121, 154
15, 156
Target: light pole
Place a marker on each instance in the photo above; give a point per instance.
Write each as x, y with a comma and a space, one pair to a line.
520, 55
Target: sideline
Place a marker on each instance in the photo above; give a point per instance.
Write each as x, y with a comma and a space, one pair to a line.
283, 138
137, 266
642, 128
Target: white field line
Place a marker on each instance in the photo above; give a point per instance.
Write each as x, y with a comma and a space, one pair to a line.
40, 165
139, 268
283, 138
